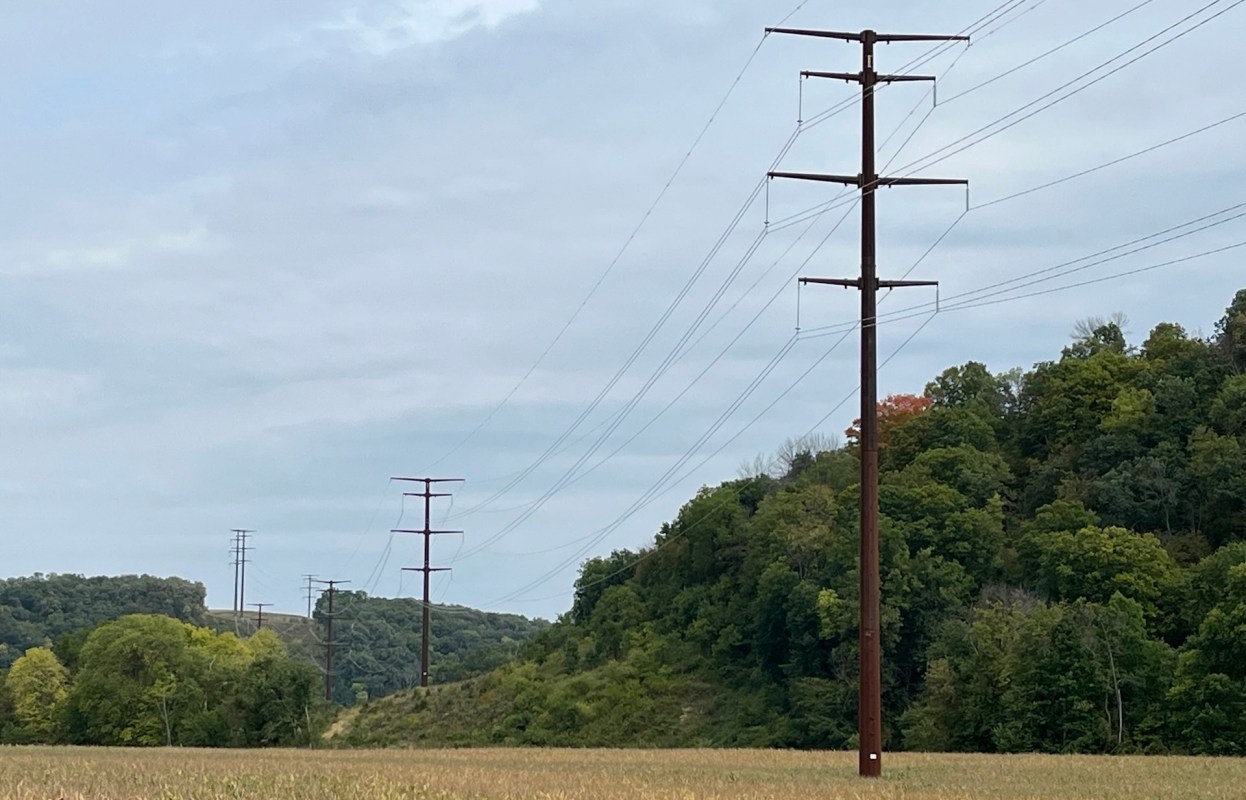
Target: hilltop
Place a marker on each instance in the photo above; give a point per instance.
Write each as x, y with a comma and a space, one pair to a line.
1063, 563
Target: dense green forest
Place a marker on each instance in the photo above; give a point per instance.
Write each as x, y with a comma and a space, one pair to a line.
1063, 569
36, 611
378, 643
124, 660
148, 679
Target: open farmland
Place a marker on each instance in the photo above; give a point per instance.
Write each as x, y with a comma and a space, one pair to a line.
108, 774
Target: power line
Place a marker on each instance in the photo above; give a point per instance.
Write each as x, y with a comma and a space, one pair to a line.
968, 140
1046, 53
842, 199
1113, 162
617, 419
633, 357
819, 211
846, 331
717, 358
368, 528
934, 157
568, 477
688, 528
657, 488
910, 168
1098, 258
1105, 278
685, 529
1049, 184
676, 353
962, 216
623, 250
597, 536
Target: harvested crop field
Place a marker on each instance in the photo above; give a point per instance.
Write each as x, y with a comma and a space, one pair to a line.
105, 774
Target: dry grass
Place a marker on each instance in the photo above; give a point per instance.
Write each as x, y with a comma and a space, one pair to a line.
108, 774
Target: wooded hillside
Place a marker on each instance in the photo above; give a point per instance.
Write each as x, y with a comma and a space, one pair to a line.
378, 643
1063, 569
36, 611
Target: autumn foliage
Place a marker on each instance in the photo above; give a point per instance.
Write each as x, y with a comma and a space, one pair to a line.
893, 412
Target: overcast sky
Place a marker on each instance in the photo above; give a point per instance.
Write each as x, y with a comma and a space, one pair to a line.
256, 258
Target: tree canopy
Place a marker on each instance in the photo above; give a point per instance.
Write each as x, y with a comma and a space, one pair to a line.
147, 679
36, 611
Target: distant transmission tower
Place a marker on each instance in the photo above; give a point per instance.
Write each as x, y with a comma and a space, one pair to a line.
427, 532
259, 615
310, 579
328, 638
240, 568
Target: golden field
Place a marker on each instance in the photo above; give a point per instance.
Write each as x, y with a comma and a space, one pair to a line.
27, 773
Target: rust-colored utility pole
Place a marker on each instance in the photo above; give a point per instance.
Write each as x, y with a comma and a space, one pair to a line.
259, 615
427, 532
328, 639
870, 747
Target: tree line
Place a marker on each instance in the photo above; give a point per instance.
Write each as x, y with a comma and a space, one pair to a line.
1063, 559
148, 679
139, 660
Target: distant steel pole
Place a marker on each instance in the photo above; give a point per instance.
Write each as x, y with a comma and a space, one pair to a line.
240, 535
309, 579
234, 544
427, 532
870, 739
328, 643
259, 614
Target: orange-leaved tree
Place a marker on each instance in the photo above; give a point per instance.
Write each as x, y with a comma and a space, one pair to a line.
893, 412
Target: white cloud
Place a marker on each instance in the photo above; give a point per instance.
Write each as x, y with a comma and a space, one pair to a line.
115, 255
38, 394
385, 28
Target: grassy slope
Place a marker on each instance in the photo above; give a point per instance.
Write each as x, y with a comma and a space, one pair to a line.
295, 630
282, 623
611, 705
